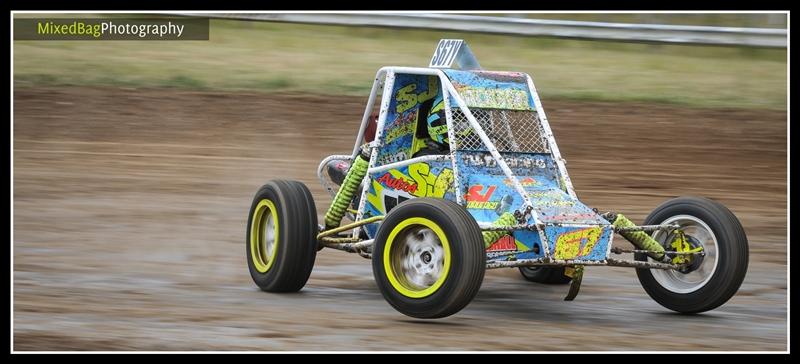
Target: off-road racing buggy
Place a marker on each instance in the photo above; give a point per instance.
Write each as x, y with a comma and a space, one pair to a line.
495, 195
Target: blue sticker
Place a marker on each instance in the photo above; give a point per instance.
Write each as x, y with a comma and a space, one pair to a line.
492, 90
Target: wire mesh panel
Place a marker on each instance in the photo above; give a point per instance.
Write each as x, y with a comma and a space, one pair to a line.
509, 130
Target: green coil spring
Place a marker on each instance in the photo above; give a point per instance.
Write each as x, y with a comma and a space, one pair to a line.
639, 238
356, 173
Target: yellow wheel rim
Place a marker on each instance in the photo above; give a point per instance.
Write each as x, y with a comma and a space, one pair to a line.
416, 257
264, 236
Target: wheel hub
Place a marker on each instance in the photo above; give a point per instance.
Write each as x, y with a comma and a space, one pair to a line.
423, 260
701, 267
264, 236
696, 260
426, 257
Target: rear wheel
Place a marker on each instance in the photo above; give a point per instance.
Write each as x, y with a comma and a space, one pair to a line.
546, 275
707, 281
281, 243
429, 259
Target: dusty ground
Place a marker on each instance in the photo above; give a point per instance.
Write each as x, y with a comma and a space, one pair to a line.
130, 209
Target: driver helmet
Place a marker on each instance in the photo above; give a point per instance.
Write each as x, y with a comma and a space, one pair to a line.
437, 126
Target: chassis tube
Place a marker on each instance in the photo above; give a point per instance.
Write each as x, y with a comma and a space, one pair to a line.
608, 262
368, 111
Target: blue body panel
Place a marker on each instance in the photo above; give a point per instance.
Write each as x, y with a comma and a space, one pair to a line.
490, 194
425, 179
492, 90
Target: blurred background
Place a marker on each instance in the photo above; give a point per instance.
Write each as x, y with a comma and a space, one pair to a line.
135, 163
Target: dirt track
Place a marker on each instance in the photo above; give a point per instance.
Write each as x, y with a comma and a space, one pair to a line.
130, 209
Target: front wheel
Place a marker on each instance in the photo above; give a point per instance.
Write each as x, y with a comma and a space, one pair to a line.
281, 236
707, 281
429, 259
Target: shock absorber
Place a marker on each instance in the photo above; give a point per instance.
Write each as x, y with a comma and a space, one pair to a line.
343, 198
640, 239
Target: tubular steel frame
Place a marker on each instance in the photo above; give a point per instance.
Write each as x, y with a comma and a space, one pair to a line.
384, 81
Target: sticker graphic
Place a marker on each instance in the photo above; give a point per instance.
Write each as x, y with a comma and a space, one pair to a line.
572, 244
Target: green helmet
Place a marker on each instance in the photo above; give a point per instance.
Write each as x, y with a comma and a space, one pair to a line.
437, 126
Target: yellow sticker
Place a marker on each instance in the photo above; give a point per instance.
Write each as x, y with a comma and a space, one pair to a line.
576, 243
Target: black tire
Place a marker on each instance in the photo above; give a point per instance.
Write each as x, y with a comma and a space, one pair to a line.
731, 257
467, 264
545, 275
296, 240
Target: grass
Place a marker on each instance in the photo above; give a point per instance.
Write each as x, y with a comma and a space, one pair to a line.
751, 20
269, 57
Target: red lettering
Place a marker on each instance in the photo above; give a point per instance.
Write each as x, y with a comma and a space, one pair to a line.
506, 242
474, 193
397, 183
